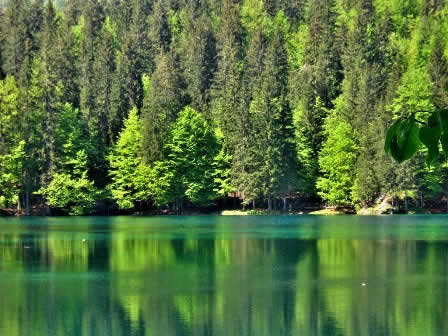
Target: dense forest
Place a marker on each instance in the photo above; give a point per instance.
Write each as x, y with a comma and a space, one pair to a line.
139, 104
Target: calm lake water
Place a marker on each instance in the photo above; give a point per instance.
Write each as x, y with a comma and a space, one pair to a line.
210, 275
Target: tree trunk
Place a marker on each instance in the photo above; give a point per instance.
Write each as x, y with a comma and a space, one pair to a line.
270, 204
253, 204
27, 203
422, 202
285, 203
406, 204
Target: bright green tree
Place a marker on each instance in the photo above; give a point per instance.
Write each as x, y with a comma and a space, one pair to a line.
127, 170
186, 173
337, 159
70, 188
11, 175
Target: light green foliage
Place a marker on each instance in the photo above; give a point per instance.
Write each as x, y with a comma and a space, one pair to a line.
72, 191
9, 111
296, 47
337, 160
12, 155
11, 175
401, 13
70, 188
414, 95
254, 16
127, 170
186, 171
222, 173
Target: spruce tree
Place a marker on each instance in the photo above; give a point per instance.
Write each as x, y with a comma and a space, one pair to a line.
199, 55
51, 89
166, 97
14, 26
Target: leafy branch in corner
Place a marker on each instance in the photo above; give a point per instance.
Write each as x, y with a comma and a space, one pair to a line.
405, 136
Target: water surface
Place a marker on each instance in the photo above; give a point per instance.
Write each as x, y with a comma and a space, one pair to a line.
211, 275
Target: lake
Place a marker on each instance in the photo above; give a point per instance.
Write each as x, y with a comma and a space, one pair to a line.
224, 275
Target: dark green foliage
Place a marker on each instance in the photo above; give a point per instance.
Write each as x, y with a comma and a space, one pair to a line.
15, 31
199, 51
166, 97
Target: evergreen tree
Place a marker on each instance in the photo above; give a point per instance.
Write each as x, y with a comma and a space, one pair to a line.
93, 17
104, 70
227, 85
51, 89
273, 155
133, 61
199, 54
159, 32
166, 97
14, 26
314, 85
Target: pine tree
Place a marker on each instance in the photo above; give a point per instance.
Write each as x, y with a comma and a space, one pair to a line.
314, 85
51, 89
227, 85
166, 97
12, 154
91, 31
337, 159
104, 70
158, 28
199, 54
133, 61
273, 122
13, 46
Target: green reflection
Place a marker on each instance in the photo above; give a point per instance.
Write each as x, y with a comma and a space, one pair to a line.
224, 276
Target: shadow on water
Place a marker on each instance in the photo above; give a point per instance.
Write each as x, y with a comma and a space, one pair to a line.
279, 275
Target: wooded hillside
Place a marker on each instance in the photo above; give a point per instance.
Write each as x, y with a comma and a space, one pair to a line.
175, 102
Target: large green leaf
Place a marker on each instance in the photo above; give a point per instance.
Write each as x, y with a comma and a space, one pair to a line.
404, 140
390, 134
430, 135
443, 115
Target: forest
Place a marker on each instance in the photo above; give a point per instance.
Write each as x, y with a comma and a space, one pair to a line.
133, 105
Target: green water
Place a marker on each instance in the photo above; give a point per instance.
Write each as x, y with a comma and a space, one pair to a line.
290, 275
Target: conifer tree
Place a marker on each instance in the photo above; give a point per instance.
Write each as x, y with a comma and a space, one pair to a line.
15, 34
51, 89
166, 97
159, 32
91, 31
199, 54
314, 85
104, 69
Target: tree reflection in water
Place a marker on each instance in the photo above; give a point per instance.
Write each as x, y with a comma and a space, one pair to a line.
222, 276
